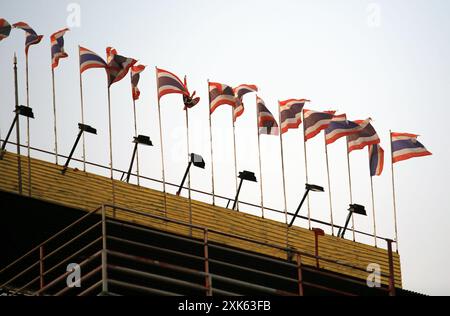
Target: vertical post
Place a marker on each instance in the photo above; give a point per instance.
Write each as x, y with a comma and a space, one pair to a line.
54, 116
82, 111
161, 144
235, 155
259, 158
393, 192
373, 211
329, 186
391, 268
104, 254
189, 174
16, 96
135, 134
28, 127
283, 174
211, 146
111, 167
300, 275
350, 187
41, 268
306, 169
208, 284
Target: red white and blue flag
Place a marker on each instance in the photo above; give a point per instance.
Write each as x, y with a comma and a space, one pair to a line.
366, 137
406, 146
169, 83
376, 160
31, 36
291, 113
340, 127
266, 121
57, 47
314, 122
118, 65
89, 59
239, 93
5, 29
135, 76
220, 94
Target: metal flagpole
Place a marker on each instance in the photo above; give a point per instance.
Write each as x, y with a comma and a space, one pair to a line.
189, 174
135, 133
211, 146
111, 167
82, 111
16, 97
54, 116
282, 165
28, 127
235, 157
259, 157
329, 185
306, 169
373, 210
161, 144
393, 192
350, 186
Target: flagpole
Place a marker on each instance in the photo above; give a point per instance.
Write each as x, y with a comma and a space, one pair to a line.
211, 146
282, 165
54, 115
28, 127
306, 169
259, 157
161, 145
373, 210
393, 192
329, 185
189, 174
235, 158
350, 187
111, 167
135, 133
82, 111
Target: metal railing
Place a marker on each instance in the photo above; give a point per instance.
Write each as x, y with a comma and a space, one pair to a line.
90, 241
225, 199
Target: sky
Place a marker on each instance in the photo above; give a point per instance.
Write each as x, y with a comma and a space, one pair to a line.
387, 60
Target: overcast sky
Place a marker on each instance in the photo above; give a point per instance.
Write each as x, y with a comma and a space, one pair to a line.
388, 60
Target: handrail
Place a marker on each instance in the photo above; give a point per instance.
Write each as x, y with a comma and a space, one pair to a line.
200, 191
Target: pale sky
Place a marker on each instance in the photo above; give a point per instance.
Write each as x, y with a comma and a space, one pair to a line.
387, 60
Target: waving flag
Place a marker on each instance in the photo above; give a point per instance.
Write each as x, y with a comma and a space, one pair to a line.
366, 137
239, 93
89, 59
5, 29
135, 76
314, 122
340, 127
376, 160
291, 113
169, 83
118, 65
31, 36
266, 122
406, 146
189, 100
57, 43
220, 94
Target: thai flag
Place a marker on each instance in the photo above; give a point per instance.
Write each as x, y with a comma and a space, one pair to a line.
406, 146
366, 137
135, 76
239, 93
291, 113
376, 160
266, 122
31, 36
89, 59
340, 127
57, 43
220, 94
169, 83
5, 29
118, 65
314, 122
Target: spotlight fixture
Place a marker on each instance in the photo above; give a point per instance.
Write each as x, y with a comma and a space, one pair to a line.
83, 128
354, 208
308, 187
140, 139
195, 160
243, 175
